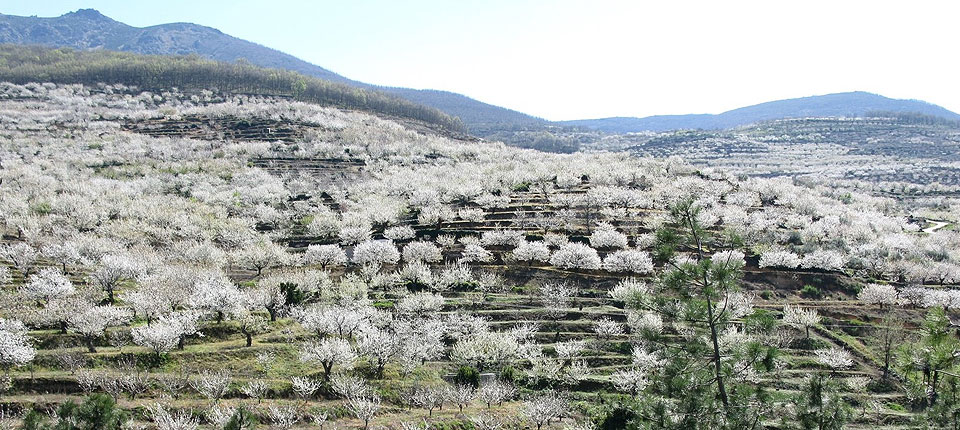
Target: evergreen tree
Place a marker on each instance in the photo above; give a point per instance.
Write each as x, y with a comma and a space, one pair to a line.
703, 374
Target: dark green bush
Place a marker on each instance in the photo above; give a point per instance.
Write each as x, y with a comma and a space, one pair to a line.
242, 419
522, 187
665, 245
811, 292
467, 375
808, 344
618, 417
293, 293
98, 412
508, 374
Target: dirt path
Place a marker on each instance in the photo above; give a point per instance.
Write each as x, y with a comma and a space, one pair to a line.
937, 225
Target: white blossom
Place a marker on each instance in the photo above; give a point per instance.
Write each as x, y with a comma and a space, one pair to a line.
645, 322
162, 336
329, 353
632, 381
779, 258
730, 259
420, 304
15, 345
376, 253
364, 408
629, 290
605, 328
823, 260
325, 256
576, 256
628, 260
605, 236
47, 284
800, 318
835, 358
475, 253
421, 251
532, 252
878, 294
501, 237
400, 232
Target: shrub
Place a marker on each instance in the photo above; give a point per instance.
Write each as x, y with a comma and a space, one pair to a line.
896, 407
808, 344
467, 375
34, 420
293, 294
98, 412
616, 418
508, 374
811, 292
242, 419
665, 245
856, 328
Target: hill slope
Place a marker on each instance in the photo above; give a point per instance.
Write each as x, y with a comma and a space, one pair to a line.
24, 64
849, 104
149, 185
89, 29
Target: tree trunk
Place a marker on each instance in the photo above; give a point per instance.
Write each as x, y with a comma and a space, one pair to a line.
326, 370
886, 364
249, 338
933, 388
716, 356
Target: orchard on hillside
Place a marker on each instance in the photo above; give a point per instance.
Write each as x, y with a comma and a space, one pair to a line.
368, 273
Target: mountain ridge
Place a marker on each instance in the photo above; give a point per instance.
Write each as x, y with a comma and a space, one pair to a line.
846, 104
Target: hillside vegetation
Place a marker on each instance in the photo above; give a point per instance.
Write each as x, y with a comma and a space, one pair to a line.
907, 156
180, 260
22, 64
88, 29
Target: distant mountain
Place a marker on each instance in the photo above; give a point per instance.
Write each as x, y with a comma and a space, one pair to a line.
850, 104
481, 118
89, 29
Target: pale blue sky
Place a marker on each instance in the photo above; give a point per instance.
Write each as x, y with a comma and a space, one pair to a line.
564, 59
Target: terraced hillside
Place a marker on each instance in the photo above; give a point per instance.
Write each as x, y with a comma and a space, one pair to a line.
317, 268
891, 154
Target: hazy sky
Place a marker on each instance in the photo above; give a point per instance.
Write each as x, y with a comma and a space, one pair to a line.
562, 59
